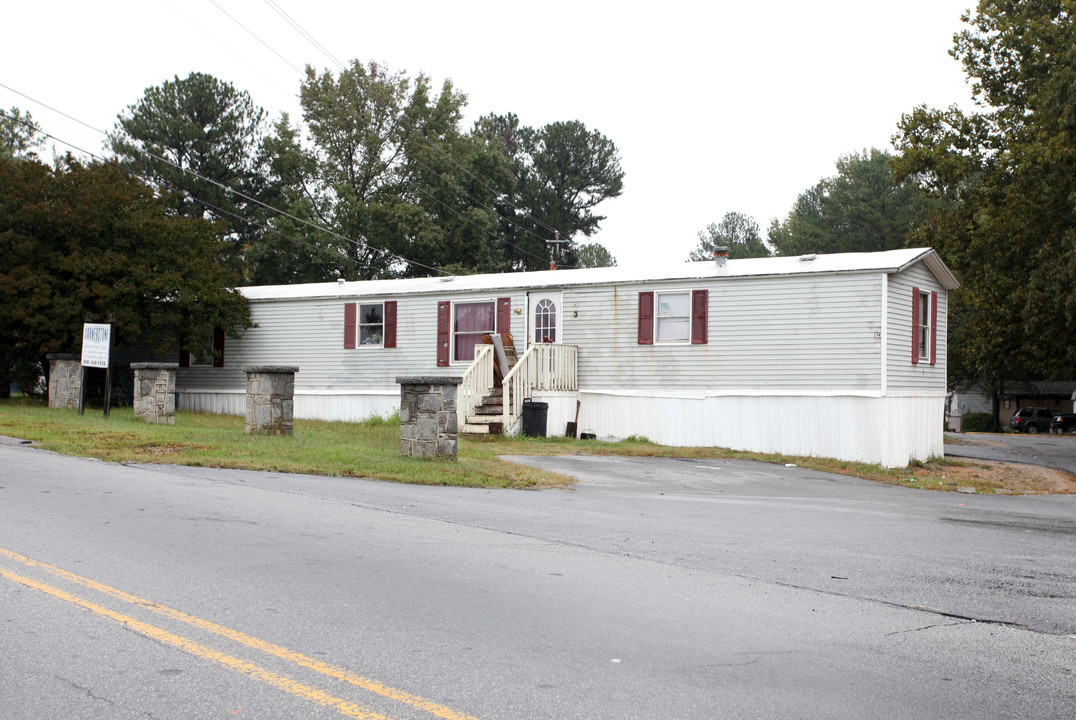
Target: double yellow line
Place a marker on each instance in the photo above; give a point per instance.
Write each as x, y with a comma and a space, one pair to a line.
306, 692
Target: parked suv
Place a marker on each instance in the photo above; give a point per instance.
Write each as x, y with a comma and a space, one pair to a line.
1031, 420
1063, 422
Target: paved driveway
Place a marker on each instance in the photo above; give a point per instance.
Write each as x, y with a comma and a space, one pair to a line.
1053, 451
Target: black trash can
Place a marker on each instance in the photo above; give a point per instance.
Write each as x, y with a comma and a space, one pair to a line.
534, 416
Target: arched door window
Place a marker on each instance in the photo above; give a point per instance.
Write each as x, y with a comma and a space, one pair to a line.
545, 321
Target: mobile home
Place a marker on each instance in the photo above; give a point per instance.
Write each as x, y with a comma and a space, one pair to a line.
838, 355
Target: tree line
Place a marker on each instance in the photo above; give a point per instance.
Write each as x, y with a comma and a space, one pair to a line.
201, 193
992, 190
377, 179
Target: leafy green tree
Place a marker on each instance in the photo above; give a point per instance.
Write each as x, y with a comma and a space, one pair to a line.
593, 255
389, 175
562, 172
860, 209
19, 134
198, 135
85, 242
736, 231
1005, 176
572, 170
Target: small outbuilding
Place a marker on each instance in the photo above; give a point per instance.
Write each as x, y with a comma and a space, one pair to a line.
840, 355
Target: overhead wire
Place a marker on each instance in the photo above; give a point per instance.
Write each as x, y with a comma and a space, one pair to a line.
408, 126
150, 182
403, 121
264, 205
321, 48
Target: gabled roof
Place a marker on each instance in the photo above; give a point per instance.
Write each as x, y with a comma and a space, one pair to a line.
889, 261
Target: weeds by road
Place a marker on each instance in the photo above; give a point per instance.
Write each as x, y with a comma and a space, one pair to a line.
372, 449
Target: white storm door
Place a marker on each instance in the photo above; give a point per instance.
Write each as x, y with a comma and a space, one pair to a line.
544, 317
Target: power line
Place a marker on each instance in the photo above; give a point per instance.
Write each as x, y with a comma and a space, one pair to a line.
459, 191
148, 181
364, 245
412, 131
403, 121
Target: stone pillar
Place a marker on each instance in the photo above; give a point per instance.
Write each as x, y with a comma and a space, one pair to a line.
271, 399
428, 424
65, 380
155, 392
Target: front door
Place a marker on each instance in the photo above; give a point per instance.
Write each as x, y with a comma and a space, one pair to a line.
543, 317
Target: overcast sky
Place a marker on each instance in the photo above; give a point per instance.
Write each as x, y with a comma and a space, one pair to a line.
715, 107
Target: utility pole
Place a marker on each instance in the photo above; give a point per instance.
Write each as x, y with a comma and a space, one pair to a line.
554, 250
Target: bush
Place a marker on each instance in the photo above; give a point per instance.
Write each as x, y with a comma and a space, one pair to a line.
977, 422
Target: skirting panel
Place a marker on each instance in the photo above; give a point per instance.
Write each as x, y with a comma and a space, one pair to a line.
888, 431
347, 408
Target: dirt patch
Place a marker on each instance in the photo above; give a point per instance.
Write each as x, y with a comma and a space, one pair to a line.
993, 478
159, 449
973, 440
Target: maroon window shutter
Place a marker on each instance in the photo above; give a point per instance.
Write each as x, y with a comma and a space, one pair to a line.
700, 302
504, 315
350, 323
646, 318
933, 328
390, 323
444, 332
915, 325
184, 358
218, 347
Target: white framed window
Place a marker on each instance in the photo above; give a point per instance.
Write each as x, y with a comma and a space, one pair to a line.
371, 323
545, 321
672, 317
470, 321
924, 326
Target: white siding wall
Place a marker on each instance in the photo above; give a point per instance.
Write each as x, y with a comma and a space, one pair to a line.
799, 332
886, 431
903, 376
332, 382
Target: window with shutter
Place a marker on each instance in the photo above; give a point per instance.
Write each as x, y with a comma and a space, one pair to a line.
915, 325
349, 325
933, 328
444, 332
390, 323
700, 302
218, 347
646, 318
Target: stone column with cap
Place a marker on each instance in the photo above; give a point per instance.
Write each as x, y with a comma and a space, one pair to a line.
65, 380
271, 399
155, 392
429, 427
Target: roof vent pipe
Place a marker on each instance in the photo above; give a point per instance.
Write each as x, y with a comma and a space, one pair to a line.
340, 283
721, 254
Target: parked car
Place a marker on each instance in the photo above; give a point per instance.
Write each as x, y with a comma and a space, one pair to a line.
1031, 419
1063, 422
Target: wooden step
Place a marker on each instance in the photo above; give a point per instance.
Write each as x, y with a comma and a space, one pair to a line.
488, 425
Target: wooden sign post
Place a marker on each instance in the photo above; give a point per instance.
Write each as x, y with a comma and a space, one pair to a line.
96, 352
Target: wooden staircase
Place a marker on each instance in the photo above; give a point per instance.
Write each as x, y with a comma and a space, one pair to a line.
487, 417
489, 404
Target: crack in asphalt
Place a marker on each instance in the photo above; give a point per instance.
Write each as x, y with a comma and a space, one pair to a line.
927, 627
86, 690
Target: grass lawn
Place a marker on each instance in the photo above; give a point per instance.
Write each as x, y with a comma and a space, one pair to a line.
372, 449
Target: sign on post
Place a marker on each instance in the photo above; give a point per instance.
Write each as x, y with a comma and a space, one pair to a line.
96, 344
96, 352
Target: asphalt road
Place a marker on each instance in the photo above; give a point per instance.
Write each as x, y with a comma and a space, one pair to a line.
654, 588
1053, 451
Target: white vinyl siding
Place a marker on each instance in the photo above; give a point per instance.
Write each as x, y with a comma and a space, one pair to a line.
308, 333
800, 332
902, 375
